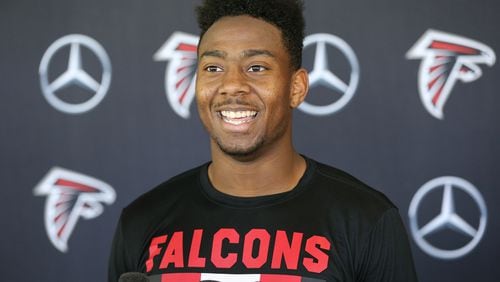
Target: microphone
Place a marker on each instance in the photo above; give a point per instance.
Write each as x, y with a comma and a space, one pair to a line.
133, 277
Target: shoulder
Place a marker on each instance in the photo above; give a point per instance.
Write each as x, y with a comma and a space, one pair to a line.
162, 197
345, 191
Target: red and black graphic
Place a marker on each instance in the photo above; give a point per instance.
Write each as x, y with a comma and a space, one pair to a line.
446, 58
70, 195
180, 75
227, 248
219, 277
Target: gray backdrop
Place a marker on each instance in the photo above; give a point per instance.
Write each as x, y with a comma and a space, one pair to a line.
133, 139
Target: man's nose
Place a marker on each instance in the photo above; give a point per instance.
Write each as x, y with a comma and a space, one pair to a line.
234, 82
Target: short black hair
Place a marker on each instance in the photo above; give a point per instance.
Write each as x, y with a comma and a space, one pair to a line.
286, 15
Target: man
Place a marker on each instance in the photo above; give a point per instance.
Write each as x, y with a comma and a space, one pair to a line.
259, 211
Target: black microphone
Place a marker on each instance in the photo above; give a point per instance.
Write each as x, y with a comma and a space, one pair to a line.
133, 277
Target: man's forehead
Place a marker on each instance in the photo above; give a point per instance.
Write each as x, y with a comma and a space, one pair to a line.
240, 29
242, 37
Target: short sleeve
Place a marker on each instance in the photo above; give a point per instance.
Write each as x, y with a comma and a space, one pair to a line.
118, 259
386, 255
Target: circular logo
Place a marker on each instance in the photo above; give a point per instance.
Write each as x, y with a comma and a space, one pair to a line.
322, 75
75, 75
448, 217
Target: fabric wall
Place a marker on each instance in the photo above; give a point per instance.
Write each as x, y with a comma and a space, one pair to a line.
96, 109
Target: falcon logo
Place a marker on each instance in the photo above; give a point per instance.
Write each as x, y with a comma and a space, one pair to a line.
180, 75
446, 58
70, 195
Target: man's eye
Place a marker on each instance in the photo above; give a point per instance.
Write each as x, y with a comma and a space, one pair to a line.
213, 69
257, 68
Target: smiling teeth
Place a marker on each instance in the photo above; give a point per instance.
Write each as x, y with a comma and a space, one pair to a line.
238, 114
238, 117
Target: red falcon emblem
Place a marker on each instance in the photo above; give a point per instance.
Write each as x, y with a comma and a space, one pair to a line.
180, 75
446, 58
70, 195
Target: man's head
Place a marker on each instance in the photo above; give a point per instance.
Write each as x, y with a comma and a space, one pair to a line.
286, 15
246, 85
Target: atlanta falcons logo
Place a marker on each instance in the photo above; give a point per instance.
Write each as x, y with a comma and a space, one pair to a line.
446, 58
70, 195
180, 75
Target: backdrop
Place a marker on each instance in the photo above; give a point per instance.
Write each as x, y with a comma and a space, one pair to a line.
96, 109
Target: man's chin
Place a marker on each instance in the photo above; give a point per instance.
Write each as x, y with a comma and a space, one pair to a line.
239, 152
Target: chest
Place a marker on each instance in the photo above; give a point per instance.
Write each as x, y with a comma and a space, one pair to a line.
270, 243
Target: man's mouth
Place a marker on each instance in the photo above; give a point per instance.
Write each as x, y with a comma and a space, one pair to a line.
238, 117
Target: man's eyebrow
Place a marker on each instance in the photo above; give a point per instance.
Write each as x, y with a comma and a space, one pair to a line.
257, 52
214, 53
245, 54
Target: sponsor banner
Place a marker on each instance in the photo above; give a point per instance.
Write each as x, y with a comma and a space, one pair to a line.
446, 59
70, 196
448, 217
75, 74
180, 74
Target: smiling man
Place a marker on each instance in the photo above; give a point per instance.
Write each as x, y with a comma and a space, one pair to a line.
259, 211
246, 89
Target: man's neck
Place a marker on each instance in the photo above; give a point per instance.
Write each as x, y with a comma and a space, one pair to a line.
275, 172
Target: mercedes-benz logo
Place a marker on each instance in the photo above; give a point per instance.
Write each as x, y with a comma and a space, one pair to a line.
448, 217
322, 75
75, 75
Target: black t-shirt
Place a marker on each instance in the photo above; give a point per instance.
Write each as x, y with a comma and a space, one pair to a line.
330, 227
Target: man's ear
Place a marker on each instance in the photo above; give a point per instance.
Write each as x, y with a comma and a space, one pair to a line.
299, 87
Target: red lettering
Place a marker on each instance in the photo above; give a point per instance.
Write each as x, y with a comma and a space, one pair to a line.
283, 249
288, 250
194, 251
248, 246
280, 278
314, 247
154, 250
223, 234
174, 252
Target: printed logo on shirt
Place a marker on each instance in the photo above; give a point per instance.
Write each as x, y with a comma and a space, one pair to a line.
70, 195
219, 277
227, 248
446, 59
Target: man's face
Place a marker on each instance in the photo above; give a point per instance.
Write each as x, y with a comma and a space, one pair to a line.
243, 85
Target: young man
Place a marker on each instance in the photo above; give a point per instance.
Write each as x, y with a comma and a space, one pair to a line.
258, 211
